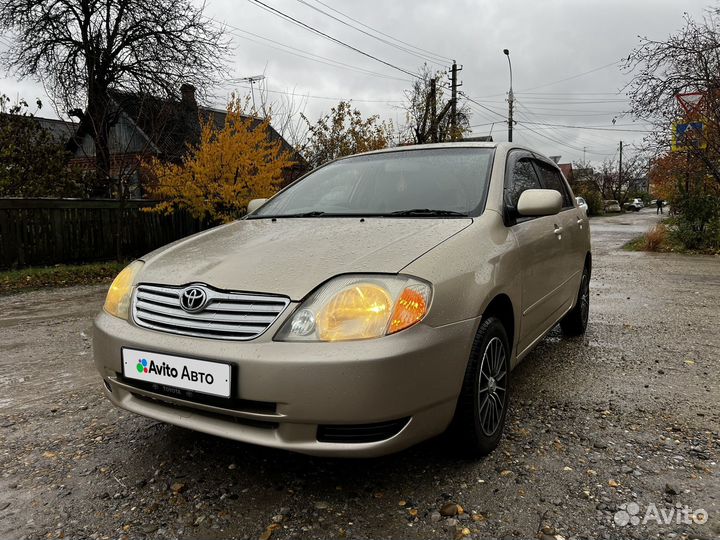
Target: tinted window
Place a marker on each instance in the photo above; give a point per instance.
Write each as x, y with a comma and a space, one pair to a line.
449, 179
551, 179
523, 177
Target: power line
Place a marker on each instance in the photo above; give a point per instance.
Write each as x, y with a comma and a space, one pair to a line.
330, 98
399, 47
442, 58
569, 93
552, 139
287, 17
574, 76
587, 138
463, 94
597, 128
308, 55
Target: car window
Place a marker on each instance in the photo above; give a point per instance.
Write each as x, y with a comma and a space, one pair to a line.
452, 180
523, 177
550, 178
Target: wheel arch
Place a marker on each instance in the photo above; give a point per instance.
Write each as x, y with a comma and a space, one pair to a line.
501, 307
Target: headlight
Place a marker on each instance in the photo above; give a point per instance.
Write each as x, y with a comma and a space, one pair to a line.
117, 302
358, 307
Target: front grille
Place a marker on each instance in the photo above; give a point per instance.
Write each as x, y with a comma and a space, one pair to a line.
360, 433
226, 315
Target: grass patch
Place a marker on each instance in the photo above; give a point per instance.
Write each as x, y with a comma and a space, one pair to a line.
61, 275
636, 244
656, 239
659, 239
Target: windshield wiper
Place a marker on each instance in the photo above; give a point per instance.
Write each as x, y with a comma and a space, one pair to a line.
427, 212
312, 213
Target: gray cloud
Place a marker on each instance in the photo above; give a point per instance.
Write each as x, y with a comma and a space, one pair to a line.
549, 41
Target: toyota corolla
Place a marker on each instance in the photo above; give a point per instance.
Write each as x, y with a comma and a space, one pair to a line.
378, 301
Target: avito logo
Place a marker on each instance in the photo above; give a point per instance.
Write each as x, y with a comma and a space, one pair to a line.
166, 370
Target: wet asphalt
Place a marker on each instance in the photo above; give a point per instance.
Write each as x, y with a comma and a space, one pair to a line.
612, 435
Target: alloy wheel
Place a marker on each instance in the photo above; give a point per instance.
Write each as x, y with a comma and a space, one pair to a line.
492, 387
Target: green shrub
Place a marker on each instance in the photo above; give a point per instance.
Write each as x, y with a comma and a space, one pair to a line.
696, 221
596, 205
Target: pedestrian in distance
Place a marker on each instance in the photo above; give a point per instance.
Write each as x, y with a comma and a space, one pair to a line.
659, 204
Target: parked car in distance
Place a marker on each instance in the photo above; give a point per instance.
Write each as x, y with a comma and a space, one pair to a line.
612, 206
378, 301
635, 205
582, 204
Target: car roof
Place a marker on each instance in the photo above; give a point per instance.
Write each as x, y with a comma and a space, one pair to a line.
501, 146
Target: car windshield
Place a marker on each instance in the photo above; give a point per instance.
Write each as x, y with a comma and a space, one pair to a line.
441, 182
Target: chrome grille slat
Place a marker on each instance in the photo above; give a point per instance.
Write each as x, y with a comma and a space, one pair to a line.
199, 325
220, 307
227, 315
205, 315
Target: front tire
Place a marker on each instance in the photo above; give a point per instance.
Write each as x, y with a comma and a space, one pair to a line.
482, 406
575, 322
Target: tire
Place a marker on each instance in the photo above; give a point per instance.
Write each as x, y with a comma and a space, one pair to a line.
575, 322
482, 406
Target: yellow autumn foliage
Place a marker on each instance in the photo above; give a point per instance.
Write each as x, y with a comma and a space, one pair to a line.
226, 170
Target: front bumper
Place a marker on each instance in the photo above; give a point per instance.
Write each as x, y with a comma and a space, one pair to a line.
284, 391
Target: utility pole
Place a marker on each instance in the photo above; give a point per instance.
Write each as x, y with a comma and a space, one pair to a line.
620, 169
433, 111
510, 115
506, 52
453, 100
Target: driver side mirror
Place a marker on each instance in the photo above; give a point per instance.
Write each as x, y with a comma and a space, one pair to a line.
255, 204
539, 202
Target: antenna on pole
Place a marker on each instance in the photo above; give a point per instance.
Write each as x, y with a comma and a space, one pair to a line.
252, 80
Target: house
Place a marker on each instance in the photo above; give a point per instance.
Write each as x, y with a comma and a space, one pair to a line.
145, 126
567, 170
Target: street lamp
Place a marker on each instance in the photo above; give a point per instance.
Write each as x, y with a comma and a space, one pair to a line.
510, 97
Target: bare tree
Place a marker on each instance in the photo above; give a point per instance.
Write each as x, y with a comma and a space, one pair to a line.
687, 61
287, 114
618, 184
428, 110
80, 49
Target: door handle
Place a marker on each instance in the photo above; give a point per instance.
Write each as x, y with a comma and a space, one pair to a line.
558, 230
579, 221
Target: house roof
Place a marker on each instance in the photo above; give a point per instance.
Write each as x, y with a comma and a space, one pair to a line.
172, 125
60, 130
169, 124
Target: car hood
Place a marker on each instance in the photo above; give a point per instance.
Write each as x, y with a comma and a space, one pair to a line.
293, 256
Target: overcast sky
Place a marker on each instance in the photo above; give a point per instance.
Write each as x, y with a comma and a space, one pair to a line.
564, 53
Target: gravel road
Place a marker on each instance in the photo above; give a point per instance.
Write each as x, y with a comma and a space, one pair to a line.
613, 435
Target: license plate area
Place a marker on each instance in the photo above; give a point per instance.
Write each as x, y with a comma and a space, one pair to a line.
176, 376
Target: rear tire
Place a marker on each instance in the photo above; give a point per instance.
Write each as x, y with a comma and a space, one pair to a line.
575, 322
482, 406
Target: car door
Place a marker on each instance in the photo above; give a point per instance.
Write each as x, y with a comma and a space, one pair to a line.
539, 248
572, 221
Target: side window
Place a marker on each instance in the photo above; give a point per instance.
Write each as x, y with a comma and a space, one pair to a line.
523, 177
551, 179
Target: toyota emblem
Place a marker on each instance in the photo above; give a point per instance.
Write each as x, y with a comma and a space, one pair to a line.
193, 299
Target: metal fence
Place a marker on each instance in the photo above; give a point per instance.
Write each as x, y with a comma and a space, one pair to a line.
36, 232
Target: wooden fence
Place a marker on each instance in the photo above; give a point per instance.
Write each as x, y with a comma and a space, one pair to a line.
37, 232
